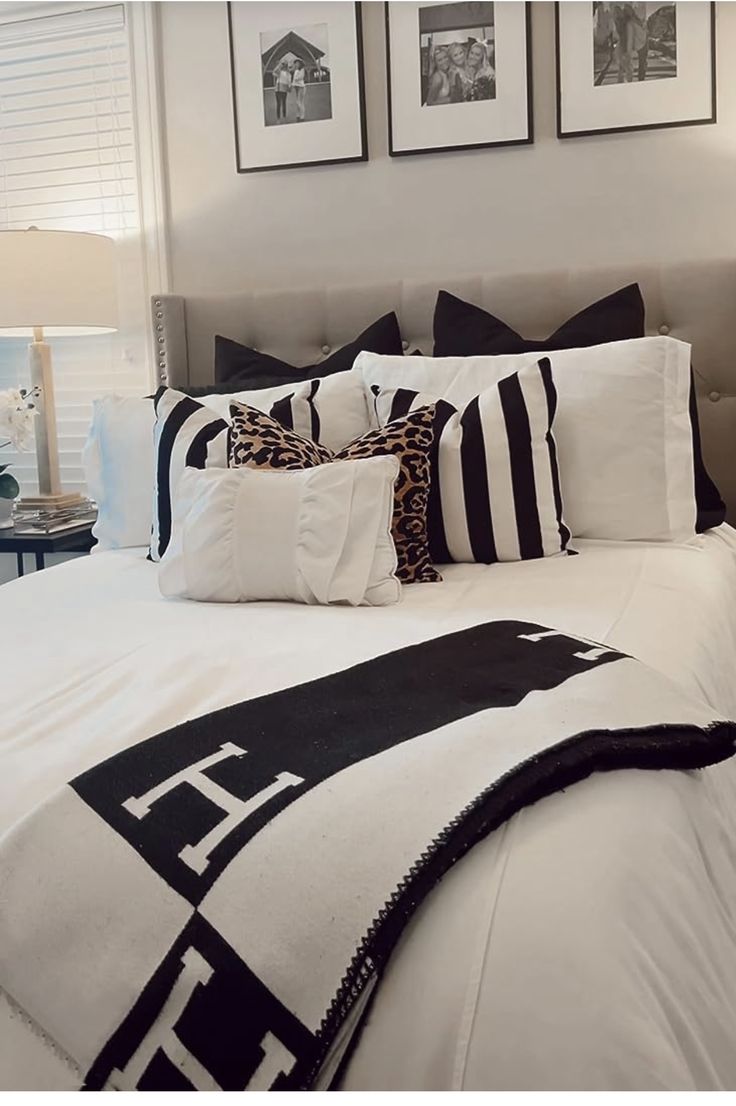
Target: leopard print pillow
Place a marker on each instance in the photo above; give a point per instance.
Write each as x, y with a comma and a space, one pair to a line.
259, 441
410, 439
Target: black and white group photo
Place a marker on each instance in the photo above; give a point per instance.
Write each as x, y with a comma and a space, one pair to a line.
457, 47
296, 75
634, 42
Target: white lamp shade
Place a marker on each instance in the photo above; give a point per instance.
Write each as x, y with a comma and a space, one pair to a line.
64, 281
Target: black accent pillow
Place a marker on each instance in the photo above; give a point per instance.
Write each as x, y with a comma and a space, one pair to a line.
464, 330
238, 367
711, 508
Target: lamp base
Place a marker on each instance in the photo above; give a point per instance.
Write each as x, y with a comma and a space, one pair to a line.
50, 502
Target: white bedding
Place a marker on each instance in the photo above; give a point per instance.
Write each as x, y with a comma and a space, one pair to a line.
589, 943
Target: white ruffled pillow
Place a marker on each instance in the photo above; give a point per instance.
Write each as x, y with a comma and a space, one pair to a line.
319, 535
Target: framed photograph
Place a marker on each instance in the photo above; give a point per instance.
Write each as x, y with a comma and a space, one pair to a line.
634, 67
297, 83
459, 76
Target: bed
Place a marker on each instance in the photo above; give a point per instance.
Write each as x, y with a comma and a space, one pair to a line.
587, 943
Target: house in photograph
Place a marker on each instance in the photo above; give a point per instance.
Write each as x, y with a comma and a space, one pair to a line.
289, 48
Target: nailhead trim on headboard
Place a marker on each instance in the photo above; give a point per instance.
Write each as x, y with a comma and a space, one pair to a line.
169, 331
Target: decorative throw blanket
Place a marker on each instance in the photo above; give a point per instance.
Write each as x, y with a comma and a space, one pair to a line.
211, 908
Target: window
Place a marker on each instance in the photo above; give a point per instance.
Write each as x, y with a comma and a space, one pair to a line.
69, 160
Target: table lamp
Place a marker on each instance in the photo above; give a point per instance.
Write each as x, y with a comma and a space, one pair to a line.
54, 283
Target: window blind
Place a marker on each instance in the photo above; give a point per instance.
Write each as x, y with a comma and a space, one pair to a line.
68, 162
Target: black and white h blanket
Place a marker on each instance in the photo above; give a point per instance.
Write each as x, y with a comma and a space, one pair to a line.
212, 907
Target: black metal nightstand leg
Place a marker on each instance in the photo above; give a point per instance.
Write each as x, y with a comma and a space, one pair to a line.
40, 562
19, 560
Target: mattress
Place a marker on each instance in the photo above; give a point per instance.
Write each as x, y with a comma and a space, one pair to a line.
590, 943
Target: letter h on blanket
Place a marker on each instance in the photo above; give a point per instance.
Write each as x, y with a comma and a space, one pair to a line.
593, 654
197, 857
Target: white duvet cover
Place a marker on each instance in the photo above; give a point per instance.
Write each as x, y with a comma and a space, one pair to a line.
590, 943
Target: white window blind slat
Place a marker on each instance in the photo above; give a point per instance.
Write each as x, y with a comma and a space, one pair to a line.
73, 25
91, 65
54, 119
47, 78
66, 84
100, 208
87, 155
79, 191
53, 107
68, 162
64, 176
74, 141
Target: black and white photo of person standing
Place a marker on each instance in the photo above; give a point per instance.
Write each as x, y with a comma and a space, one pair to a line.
458, 53
281, 86
281, 72
298, 83
296, 75
633, 42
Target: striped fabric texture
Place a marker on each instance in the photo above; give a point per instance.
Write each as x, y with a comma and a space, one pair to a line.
495, 486
189, 434
300, 411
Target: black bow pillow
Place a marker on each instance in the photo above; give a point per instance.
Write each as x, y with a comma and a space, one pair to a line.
463, 330
238, 367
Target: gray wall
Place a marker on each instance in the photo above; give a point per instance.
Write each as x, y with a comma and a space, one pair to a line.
654, 195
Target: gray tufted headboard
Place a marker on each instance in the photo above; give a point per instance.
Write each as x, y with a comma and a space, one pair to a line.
695, 301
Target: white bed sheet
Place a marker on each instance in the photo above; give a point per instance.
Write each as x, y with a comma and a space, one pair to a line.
589, 943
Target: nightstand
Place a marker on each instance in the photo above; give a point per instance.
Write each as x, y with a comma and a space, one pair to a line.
77, 540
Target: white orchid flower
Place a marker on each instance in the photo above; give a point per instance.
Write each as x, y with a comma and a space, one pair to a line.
16, 419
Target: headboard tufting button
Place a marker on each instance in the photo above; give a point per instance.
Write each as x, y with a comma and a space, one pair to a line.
326, 349
664, 329
714, 396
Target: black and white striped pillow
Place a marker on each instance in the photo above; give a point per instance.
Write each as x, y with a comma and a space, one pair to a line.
495, 486
300, 411
188, 434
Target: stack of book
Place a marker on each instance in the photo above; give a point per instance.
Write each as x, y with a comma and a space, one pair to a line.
37, 520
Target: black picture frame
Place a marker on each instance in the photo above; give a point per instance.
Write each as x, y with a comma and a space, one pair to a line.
527, 141
361, 157
712, 118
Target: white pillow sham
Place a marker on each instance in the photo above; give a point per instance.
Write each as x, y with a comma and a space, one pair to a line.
319, 535
622, 428
119, 455
118, 469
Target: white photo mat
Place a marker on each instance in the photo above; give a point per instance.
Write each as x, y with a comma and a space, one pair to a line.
686, 98
338, 138
506, 119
